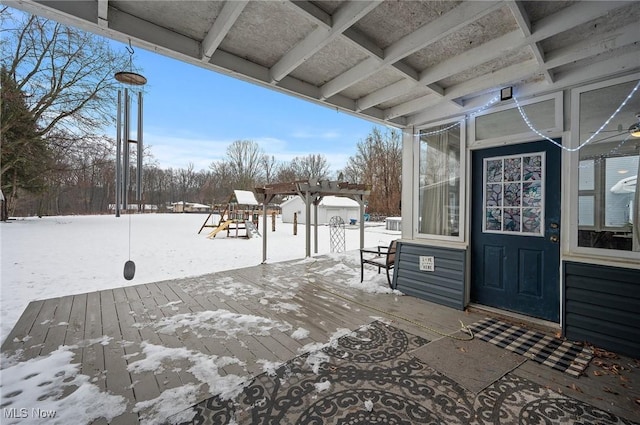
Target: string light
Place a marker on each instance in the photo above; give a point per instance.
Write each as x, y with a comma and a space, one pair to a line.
536, 131
474, 113
606, 123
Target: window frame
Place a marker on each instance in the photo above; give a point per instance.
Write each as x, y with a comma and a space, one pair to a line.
462, 195
573, 176
553, 131
542, 207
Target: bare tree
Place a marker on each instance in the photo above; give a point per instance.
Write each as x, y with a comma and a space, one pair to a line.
67, 73
312, 166
270, 168
66, 76
378, 163
223, 184
244, 158
287, 173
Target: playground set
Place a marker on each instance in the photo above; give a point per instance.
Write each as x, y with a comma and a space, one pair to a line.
239, 217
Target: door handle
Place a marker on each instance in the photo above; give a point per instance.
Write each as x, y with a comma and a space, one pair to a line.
554, 238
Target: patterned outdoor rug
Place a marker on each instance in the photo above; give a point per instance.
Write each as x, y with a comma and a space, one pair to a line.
553, 352
371, 378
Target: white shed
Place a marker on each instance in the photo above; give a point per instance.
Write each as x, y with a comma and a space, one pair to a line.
330, 206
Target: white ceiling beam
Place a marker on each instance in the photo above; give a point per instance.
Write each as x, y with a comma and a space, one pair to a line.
146, 33
230, 12
312, 12
522, 19
411, 106
103, 13
479, 85
594, 46
345, 16
573, 16
610, 67
494, 80
623, 63
358, 40
467, 60
545, 28
385, 93
419, 39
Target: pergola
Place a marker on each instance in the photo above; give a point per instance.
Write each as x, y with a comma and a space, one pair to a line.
311, 191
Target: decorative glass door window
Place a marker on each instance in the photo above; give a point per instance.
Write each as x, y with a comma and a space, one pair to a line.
513, 196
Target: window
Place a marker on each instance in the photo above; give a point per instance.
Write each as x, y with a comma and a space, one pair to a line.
439, 196
608, 170
513, 194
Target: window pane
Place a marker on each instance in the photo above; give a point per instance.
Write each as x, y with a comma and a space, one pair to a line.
619, 197
608, 169
513, 194
586, 175
439, 182
509, 122
585, 210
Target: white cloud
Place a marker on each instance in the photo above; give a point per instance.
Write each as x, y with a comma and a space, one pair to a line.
327, 134
179, 150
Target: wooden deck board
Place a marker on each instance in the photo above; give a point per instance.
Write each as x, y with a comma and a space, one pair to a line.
235, 347
118, 380
58, 326
144, 384
93, 352
14, 340
130, 316
35, 341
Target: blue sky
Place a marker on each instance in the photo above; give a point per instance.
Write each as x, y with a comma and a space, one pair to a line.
192, 114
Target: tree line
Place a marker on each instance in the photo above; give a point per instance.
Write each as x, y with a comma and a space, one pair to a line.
57, 104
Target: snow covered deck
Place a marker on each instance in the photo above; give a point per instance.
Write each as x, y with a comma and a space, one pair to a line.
148, 351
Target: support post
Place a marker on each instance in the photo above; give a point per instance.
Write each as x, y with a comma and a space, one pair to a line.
360, 200
295, 224
307, 224
273, 221
361, 223
264, 229
315, 226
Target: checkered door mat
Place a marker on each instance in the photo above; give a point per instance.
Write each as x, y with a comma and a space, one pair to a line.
553, 352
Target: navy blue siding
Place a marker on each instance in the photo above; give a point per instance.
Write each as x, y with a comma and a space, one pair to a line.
602, 306
444, 285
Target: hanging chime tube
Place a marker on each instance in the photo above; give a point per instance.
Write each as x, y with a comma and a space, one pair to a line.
125, 162
140, 151
119, 155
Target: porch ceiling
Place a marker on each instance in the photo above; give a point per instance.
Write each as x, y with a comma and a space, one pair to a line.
399, 63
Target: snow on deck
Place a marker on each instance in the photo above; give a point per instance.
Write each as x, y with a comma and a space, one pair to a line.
139, 354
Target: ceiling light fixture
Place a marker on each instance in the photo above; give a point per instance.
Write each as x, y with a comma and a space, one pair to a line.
506, 93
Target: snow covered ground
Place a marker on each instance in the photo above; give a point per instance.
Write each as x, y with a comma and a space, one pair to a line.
56, 256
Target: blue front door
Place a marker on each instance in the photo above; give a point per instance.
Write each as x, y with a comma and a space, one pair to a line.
515, 229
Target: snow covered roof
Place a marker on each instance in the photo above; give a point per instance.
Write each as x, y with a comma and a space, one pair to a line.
245, 197
338, 201
328, 201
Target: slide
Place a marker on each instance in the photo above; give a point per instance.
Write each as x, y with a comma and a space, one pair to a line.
251, 229
219, 228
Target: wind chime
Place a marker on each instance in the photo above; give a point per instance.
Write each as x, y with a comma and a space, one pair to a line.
123, 151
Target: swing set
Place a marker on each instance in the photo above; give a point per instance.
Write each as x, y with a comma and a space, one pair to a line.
239, 218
